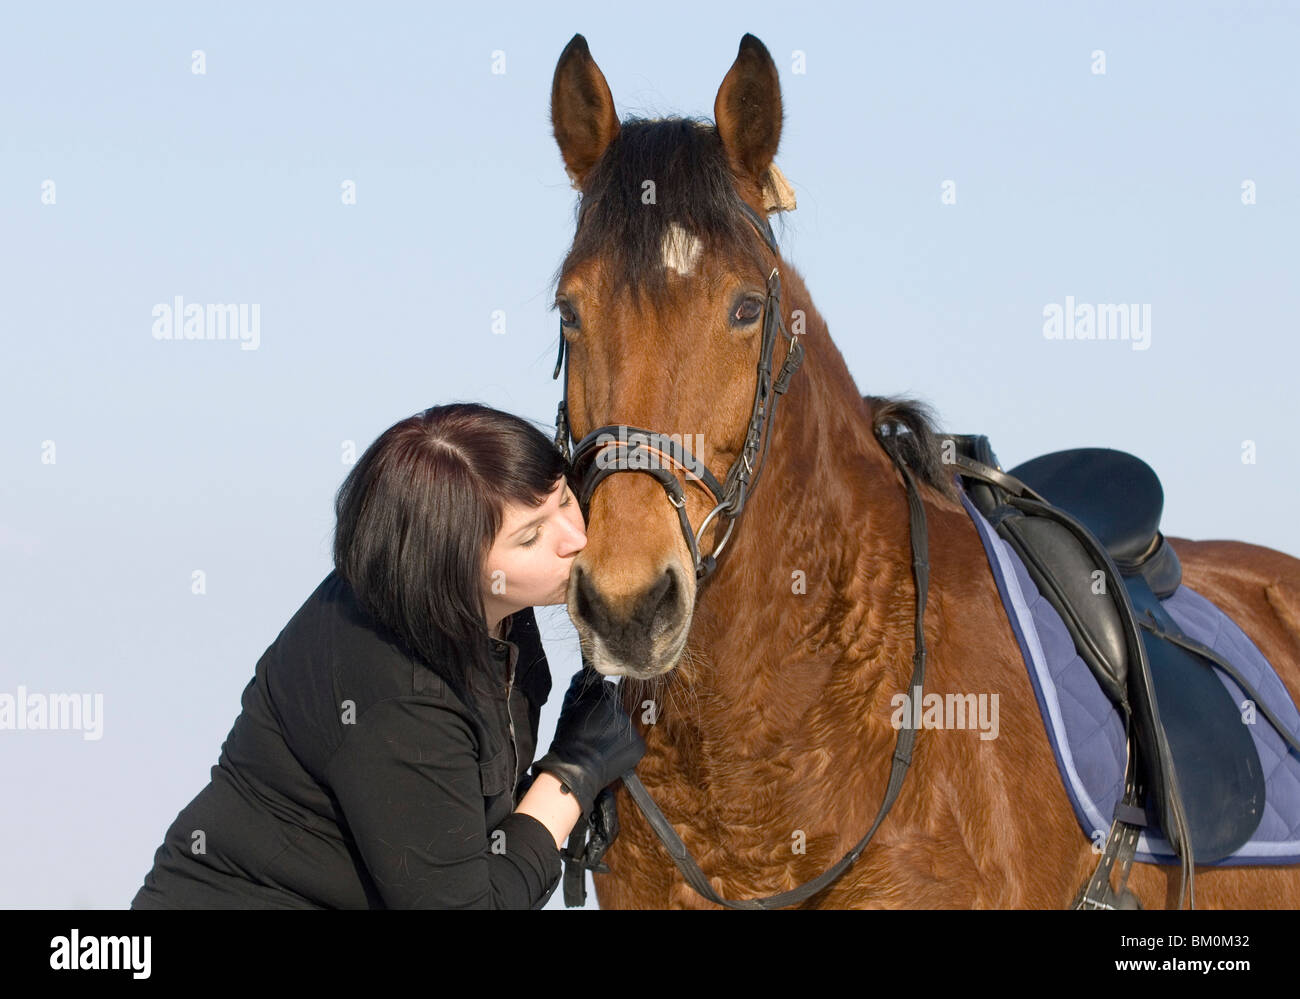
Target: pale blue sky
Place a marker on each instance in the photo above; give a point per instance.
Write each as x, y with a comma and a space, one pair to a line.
225, 187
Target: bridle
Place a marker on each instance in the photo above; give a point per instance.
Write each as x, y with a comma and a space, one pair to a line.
621, 448
626, 443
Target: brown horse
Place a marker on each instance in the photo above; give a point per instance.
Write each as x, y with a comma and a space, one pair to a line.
764, 694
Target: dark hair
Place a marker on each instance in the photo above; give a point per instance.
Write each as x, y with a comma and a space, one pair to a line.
417, 516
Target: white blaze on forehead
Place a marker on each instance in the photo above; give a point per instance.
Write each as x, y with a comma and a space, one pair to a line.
680, 249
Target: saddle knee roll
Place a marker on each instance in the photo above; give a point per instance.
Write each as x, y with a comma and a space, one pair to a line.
1068, 576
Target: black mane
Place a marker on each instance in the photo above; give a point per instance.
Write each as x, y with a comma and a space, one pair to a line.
693, 187
920, 442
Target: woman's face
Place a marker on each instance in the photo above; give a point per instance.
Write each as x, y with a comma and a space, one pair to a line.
530, 560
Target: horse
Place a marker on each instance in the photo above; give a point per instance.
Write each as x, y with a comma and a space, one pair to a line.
764, 684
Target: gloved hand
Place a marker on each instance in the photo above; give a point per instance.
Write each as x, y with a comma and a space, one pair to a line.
595, 742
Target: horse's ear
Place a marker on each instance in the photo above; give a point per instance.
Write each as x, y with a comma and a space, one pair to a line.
582, 110
748, 112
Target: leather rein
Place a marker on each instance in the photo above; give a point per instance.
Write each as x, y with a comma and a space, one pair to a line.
620, 448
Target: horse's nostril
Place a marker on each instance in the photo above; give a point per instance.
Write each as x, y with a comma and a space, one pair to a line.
674, 583
586, 594
653, 612
662, 601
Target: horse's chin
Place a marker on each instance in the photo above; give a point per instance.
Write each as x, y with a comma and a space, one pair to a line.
603, 662
632, 673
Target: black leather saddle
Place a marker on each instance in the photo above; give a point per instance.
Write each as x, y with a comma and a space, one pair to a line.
1118, 497
1088, 530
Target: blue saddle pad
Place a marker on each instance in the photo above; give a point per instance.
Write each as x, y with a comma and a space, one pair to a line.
1087, 732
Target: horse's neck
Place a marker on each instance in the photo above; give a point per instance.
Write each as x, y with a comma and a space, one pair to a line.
821, 545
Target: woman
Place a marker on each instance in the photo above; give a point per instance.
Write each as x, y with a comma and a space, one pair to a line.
381, 756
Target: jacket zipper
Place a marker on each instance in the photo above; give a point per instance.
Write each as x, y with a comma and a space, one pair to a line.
510, 679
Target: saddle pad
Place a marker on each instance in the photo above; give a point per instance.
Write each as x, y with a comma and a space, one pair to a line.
1087, 732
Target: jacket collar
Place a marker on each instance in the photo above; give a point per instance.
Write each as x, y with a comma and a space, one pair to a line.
506, 653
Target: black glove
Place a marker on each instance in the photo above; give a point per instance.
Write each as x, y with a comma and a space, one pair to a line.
595, 742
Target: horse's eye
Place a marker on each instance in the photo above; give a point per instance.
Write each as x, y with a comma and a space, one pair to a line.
568, 317
748, 311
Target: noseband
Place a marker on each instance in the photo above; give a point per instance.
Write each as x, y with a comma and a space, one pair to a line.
621, 448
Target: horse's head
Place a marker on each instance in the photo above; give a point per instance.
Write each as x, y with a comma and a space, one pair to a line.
666, 299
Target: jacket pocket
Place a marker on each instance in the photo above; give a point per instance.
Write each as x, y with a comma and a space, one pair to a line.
495, 774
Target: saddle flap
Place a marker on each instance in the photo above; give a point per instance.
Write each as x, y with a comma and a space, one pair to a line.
1217, 766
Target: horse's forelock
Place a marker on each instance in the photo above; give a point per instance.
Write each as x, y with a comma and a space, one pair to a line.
658, 179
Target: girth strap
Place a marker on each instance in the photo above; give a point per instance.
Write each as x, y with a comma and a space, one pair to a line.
1121, 844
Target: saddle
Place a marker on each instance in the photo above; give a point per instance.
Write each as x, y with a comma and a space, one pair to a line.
1086, 524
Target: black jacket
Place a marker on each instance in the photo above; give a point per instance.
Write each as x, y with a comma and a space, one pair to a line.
354, 777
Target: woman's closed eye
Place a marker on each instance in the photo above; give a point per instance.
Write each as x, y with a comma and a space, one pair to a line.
535, 537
